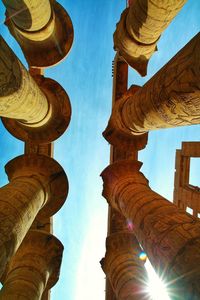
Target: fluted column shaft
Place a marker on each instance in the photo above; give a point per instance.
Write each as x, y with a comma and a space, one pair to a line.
140, 27
29, 15
34, 180
20, 97
123, 266
169, 99
169, 236
34, 268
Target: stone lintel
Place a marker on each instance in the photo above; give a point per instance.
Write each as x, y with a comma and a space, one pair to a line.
191, 149
122, 240
42, 149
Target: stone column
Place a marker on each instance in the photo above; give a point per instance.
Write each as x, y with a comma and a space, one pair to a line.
42, 28
122, 263
140, 27
38, 187
169, 99
34, 268
40, 108
169, 236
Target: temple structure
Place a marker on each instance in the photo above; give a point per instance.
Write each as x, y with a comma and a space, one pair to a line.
167, 233
186, 196
36, 110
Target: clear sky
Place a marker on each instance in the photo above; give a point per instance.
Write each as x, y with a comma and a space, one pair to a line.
86, 76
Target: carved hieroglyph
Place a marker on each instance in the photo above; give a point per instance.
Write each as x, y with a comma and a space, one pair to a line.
43, 29
123, 266
169, 236
140, 27
116, 137
170, 98
125, 274
34, 268
38, 187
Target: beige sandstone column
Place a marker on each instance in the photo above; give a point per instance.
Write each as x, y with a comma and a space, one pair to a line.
122, 263
42, 28
170, 98
169, 236
125, 273
34, 268
38, 187
40, 110
140, 27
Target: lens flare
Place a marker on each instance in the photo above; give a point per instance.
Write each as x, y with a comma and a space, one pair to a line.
130, 225
143, 256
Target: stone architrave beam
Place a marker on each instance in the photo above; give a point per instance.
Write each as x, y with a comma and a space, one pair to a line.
38, 187
34, 268
170, 98
42, 28
169, 236
140, 27
40, 108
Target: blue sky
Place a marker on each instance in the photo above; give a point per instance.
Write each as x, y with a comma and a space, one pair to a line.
86, 76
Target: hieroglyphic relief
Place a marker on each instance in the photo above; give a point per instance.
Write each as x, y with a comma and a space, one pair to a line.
169, 236
171, 97
35, 267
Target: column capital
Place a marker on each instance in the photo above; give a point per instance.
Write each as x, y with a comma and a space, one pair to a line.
116, 132
116, 175
56, 121
50, 174
38, 259
48, 45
